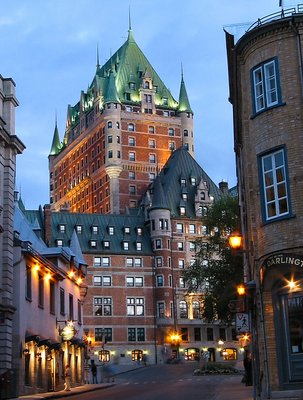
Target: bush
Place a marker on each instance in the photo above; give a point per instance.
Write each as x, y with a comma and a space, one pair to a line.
216, 368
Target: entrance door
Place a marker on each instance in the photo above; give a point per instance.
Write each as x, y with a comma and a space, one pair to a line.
292, 322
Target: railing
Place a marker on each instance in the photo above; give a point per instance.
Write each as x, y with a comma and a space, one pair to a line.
278, 15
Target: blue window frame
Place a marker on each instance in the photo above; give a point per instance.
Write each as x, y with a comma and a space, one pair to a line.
274, 185
266, 92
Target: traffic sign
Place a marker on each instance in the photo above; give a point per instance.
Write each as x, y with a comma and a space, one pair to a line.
242, 323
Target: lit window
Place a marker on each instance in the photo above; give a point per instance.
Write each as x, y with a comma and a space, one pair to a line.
102, 306
79, 229
158, 261
182, 210
183, 309
274, 185
266, 90
125, 245
111, 230
106, 244
182, 282
192, 228
139, 246
127, 229
179, 228
59, 242
62, 228
135, 306
95, 230
93, 243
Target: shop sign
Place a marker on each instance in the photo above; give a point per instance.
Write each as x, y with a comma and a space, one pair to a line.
284, 259
68, 332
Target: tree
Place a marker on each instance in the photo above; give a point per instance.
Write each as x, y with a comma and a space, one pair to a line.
217, 270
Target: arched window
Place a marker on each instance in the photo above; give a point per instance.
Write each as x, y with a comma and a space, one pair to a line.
104, 356
185, 132
137, 355
196, 309
109, 124
131, 127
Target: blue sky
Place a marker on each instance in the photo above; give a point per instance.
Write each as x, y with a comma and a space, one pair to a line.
49, 49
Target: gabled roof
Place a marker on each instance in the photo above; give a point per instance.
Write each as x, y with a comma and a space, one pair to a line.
181, 165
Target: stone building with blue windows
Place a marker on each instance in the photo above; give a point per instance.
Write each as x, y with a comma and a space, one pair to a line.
266, 86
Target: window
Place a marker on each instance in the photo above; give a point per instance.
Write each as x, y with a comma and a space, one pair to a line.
95, 230
111, 230
158, 243
181, 264
197, 335
125, 245
52, 297
103, 335
184, 334
132, 189
183, 309
210, 334
131, 175
127, 230
109, 139
148, 98
132, 85
93, 243
152, 176
79, 304
192, 246
40, 291
62, 301
101, 261
266, 90
138, 262
79, 229
171, 146
196, 309
136, 334
28, 283
139, 231
182, 282
171, 132
160, 280
152, 143
146, 84
152, 158
71, 307
109, 124
62, 228
102, 306
165, 101
106, 243
179, 228
185, 132
132, 156
128, 109
192, 228
151, 129
131, 127
158, 261
180, 246
274, 185
59, 242
182, 210
222, 334
129, 262
139, 246
165, 114
134, 281
161, 309
135, 306
131, 141
102, 280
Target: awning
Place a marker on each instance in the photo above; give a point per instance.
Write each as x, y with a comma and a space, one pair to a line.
77, 342
44, 342
31, 337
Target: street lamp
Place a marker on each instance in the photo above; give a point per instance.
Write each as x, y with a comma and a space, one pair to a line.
175, 340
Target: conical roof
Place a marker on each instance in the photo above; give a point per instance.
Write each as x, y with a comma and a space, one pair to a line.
56, 145
184, 105
159, 199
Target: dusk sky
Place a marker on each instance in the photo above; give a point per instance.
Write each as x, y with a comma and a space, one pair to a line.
49, 49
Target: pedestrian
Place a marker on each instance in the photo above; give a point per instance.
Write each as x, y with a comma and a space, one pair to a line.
86, 372
144, 360
94, 372
67, 378
247, 362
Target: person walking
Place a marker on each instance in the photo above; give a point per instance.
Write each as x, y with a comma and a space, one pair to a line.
94, 373
67, 376
247, 362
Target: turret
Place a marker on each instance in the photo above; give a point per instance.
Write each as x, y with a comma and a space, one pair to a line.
187, 123
113, 140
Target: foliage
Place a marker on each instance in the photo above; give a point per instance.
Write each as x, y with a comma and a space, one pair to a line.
217, 270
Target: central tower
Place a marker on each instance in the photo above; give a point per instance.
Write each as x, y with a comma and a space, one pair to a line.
118, 136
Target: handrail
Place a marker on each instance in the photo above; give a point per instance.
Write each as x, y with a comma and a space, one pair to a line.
277, 15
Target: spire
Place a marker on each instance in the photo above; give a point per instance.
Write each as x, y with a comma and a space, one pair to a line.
159, 198
111, 93
130, 32
98, 62
56, 145
184, 105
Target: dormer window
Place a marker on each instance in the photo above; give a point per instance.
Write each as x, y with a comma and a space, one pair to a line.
165, 114
165, 101
193, 181
184, 196
93, 243
146, 85
95, 230
62, 228
127, 230
59, 242
132, 86
128, 108
111, 230
139, 246
79, 229
106, 244
182, 210
183, 182
139, 231
125, 245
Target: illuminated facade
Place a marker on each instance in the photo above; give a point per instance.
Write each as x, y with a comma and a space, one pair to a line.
265, 74
118, 136
49, 291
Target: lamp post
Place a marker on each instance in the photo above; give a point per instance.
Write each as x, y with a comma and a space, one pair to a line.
246, 292
175, 340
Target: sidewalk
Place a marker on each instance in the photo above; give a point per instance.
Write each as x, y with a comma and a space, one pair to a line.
231, 388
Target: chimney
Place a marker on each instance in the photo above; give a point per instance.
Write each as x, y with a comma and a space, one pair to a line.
47, 224
223, 186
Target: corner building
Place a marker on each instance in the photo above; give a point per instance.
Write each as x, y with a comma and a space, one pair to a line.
118, 136
265, 74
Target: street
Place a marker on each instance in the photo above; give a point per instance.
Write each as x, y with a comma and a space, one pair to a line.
165, 382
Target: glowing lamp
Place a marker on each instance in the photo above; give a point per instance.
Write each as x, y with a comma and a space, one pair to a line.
241, 290
235, 240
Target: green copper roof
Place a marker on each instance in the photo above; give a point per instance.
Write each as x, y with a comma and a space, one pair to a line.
184, 105
159, 198
56, 145
181, 165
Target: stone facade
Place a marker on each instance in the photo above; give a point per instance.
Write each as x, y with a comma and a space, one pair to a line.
265, 73
10, 146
